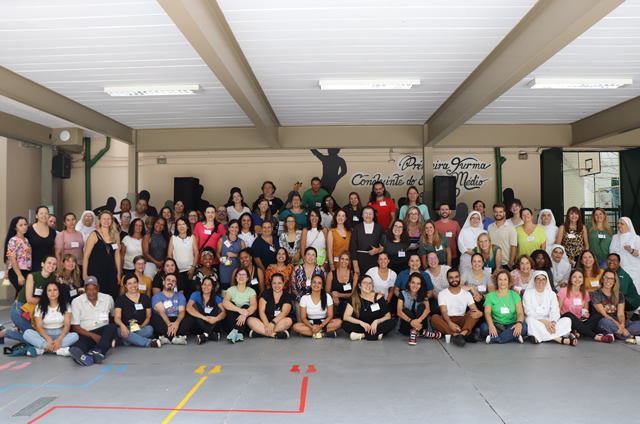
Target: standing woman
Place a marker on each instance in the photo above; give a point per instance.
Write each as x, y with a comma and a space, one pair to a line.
227, 252
240, 303
413, 200
299, 214
209, 231
599, 237
515, 209
315, 235
41, 237
131, 246
145, 284
395, 243
339, 237
530, 236
548, 223
354, 209
193, 219
132, 315
316, 312
282, 267
265, 247
69, 240
274, 307
247, 229
626, 244
365, 243
290, 239
573, 235
236, 206
542, 262
592, 272
328, 209
102, 255
468, 238
17, 252
414, 224
183, 247
261, 214
491, 253
155, 245
433, 241
560, 267
303, 273
178, 210
70, 277
340, 284
166, 213
477, 280
367, 316
87, 224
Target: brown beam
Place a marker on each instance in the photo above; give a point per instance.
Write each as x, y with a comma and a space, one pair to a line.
609, 122
24, 130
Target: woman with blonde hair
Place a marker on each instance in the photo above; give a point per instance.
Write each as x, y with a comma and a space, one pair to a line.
609, 302
70, 276
367, 316
599, 236
102, 254
433, 241
414, 224
491, 254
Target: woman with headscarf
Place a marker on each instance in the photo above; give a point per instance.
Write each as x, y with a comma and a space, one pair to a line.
548, 222
86, 224
543, 313
626, 244
560, 266
468, 238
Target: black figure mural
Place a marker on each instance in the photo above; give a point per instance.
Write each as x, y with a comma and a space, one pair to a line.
333, 168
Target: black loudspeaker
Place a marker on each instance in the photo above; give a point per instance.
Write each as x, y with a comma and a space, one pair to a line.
186, 189
444, 191
61, 166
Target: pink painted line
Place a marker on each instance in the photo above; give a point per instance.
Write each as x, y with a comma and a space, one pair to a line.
19, 367
8, 365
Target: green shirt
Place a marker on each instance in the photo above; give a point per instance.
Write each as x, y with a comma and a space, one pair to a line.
598, 245
441, 251
497, 303
310, 201
38, 284
627, 288
241, 299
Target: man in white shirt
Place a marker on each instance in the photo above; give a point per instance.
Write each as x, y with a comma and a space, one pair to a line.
503, 234
141, 210
455, 319
90, 315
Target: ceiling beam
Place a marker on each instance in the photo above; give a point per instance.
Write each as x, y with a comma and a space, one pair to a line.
25, 91
609, 122
549, 26
21, 129
516, 135
205, 27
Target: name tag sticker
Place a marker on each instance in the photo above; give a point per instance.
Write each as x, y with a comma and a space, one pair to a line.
571, 236
504, 310
601, 236
73, 292
167, 304
227, 243
539, 310
487, 269
449, 234
138, 242
595, 283
375, 307
139, 307
577, 302
75, 244
254, 281
355, 218
530, 238
207, 232
460, 309
186, 242
439, 248
383, 203
318, 204
308, 282
273, 249
346, 287
53, 316
37, 292
103, 317
142, 287
276, 313
208, 309
336, 259
270, 202
401, 253
114, 246
482, 288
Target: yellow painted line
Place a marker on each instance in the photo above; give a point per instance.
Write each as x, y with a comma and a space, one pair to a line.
201, 369
175, 411
215, 370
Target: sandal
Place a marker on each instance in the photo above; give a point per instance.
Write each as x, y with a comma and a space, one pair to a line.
572, 340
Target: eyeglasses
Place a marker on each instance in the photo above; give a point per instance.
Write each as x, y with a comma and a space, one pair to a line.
399, 227
608, 278
222, 212
241, 275
140, 263
367, 213
125, 218
433, 260
413, 214
367, 283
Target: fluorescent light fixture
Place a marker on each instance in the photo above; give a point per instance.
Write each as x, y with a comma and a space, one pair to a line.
154, 90
580, 83
401, 84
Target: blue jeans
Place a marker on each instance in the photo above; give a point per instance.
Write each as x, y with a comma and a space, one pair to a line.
140, 338
609, 326
504, 336
33, 338
19, 321
602, 263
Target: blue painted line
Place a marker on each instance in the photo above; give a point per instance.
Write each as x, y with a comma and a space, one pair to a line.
52, 385
105, 369
122, 368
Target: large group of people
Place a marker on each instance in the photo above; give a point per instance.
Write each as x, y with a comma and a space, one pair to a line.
139, 278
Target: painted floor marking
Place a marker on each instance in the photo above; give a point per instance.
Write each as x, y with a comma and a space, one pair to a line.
51, 385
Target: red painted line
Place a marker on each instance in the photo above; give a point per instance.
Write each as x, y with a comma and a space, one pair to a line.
303, 401
296, 368
8, 365
19, 367
310, 369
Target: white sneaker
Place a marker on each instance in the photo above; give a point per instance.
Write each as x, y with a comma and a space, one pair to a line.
355, 336
520, 339
164, 340
63, 351
179, 340
38, 352
488, 339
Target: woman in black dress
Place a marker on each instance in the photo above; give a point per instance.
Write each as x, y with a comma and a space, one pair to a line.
365, 242
102, 253
41, 237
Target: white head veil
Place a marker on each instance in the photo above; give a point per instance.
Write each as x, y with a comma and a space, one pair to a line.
80, 225
562, 268
467, 223
532, 285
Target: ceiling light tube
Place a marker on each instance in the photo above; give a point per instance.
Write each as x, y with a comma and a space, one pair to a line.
154, 90
580, 83
391, 84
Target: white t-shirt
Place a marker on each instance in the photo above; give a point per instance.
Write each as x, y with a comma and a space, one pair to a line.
53, 319
248, 238
380, 285
456, 303
315, 311
134, 248
183, 252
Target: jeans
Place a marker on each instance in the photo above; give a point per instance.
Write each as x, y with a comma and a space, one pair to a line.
140, 338
609, 326
35, 339
17, 318
504, 336
602, 263
107, 333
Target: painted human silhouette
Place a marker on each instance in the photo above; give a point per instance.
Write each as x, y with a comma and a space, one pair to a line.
333, 168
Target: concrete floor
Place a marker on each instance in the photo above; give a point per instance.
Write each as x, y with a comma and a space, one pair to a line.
369, 382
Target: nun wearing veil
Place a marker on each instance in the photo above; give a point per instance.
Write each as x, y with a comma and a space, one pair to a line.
468, 238
86, 224
626, 244
548, 222
542, 310
560, 266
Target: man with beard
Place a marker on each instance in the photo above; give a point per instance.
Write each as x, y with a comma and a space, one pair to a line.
451, 230
454, 318
503, 234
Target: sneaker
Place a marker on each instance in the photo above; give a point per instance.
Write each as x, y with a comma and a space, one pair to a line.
355, 336
520, 339
63, 351
79, 357
97, 356
232, 336
116, 343
488, 340
239, 337
317, 335
34, 351
214, 337
434, 335
413, 337
631, 341
202, 338
155, 343
164, 340
458, 340
251, 333
331, 334
606, 338
283, 335
380, 336
179, 340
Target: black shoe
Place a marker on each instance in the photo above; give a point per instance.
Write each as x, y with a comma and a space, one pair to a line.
202, 338
471, 338
458, 340
635, 317
331, 334
97, 356
214, 337
80, 357
282, 335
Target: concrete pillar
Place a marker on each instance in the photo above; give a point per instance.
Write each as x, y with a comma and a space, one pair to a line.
132, 188
427, 194
46, 179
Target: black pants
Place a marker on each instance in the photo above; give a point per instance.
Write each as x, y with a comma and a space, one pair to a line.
160, 327
106, 333
232, 316
385, 327
13, 277
201, 326
434, 307
405, 327
188, 284
587, 327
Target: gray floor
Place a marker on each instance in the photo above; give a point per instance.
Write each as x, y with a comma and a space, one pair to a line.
372, 382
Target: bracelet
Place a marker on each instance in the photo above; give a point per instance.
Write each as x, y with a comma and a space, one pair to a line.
273, 322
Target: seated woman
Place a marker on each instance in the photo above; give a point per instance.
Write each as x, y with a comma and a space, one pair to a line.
340, 284
592, 272
384, 279
328, 209
52, 319
239, 302
299, 214
206, 269
70, 276
256, 275
144, 283
395, 243
574, 304
207, 311
261, 214
274, 308
414, 224
316, 312
367, 316
413, 310
282, 267
542, 262
543, 313
133, 316
560, 267
491, 254
609, 302
437, 273
168, 267
290, 239
503, 312
522, 275
477, 280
